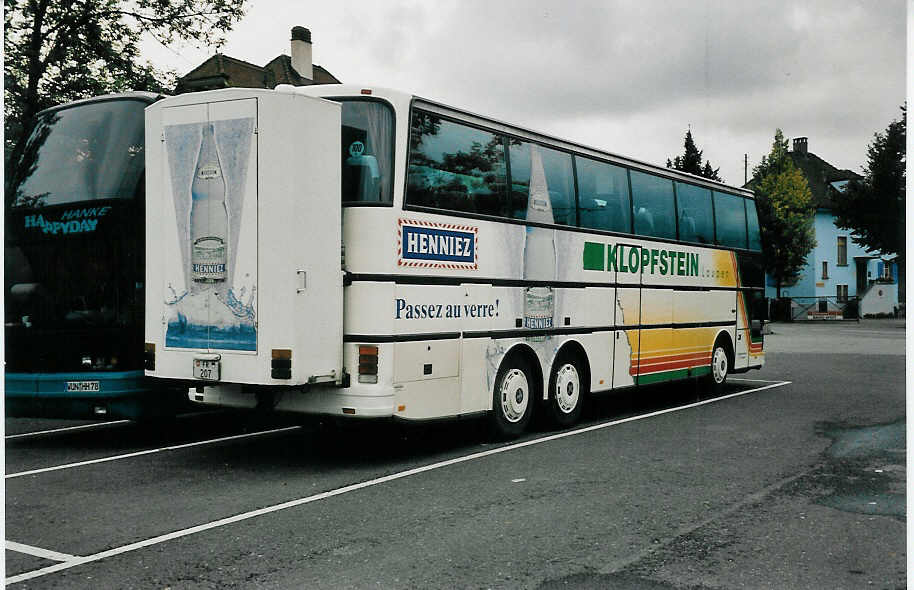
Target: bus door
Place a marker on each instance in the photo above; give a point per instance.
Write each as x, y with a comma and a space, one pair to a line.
625, 261
659, 359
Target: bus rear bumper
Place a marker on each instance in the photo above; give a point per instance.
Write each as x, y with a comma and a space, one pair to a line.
318, 400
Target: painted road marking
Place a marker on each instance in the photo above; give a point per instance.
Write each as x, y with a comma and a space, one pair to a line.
880, 332
83, 427
39, 552
362, 485
148, 452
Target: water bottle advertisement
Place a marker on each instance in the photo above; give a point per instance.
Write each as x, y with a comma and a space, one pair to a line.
211, 297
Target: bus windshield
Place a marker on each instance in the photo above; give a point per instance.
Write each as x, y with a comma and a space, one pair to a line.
86, 153
74, 238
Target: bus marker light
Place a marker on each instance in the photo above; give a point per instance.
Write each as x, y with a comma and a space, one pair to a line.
401, 408
100, 410
366, 91
281, 363
349, 410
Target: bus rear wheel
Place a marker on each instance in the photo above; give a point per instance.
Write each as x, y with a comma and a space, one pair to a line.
513, 398
566, 390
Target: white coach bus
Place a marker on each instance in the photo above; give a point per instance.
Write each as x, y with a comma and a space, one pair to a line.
363, 252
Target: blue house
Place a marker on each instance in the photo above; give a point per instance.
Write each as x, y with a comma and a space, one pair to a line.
837, 269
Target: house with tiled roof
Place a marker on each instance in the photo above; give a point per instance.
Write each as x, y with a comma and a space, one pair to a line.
838, 269
222, 71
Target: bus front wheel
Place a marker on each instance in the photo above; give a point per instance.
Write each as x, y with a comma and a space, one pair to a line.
720, 366
513, 398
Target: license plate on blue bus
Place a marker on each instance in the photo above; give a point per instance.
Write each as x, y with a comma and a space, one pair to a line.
82, 386
206, 369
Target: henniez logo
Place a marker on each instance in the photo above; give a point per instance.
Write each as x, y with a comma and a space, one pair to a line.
424, 244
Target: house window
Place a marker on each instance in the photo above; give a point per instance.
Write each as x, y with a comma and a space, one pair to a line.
842, 251
824, 269
842, 293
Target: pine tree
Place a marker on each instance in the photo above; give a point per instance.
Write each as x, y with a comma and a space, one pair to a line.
690, 161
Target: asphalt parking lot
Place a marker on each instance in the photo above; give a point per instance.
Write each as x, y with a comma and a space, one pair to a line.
792, 478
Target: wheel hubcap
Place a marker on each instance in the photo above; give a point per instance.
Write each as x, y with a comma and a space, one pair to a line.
515, 395
567, 388
719, 365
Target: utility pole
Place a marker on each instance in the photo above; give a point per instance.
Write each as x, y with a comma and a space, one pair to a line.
745, 169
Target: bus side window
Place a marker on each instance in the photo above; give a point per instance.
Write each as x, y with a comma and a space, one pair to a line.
455, 167
696, 220
603, 201
557, 174
652, 202
755, 234
730, 220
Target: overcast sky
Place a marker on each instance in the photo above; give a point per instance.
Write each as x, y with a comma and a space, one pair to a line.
624, 76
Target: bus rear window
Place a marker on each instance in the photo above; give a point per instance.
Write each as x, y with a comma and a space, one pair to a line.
367, 152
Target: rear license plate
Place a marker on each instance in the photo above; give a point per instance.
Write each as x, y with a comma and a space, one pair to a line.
81, 386
206, 369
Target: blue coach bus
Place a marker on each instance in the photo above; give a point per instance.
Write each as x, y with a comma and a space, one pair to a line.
73, 266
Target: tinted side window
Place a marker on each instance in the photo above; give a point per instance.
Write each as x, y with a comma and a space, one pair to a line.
730, 218
755, 235
367, 151
652, 204
456, 167
540, 171
696, 220
603, 197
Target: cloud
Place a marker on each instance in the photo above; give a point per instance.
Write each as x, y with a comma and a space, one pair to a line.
627, 75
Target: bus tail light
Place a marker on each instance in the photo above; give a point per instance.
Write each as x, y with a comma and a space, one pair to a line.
149, 356
281, 363
368, 364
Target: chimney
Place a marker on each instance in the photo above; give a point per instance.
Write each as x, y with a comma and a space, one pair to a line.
301, 52
801, 145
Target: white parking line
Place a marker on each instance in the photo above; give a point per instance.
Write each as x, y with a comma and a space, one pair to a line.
83, 427
39, 552
754, 380
361, 485
148, 452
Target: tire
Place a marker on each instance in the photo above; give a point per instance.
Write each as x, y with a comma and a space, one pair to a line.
567, 390
513, 398
720, 366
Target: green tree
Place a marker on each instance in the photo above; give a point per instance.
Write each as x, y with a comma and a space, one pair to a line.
690, 161
786, 211
874, 208
61, 50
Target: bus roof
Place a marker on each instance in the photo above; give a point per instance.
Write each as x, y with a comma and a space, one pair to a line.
149, 97
337, 90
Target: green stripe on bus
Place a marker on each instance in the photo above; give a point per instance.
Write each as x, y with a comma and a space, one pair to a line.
671, 375
594, 256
